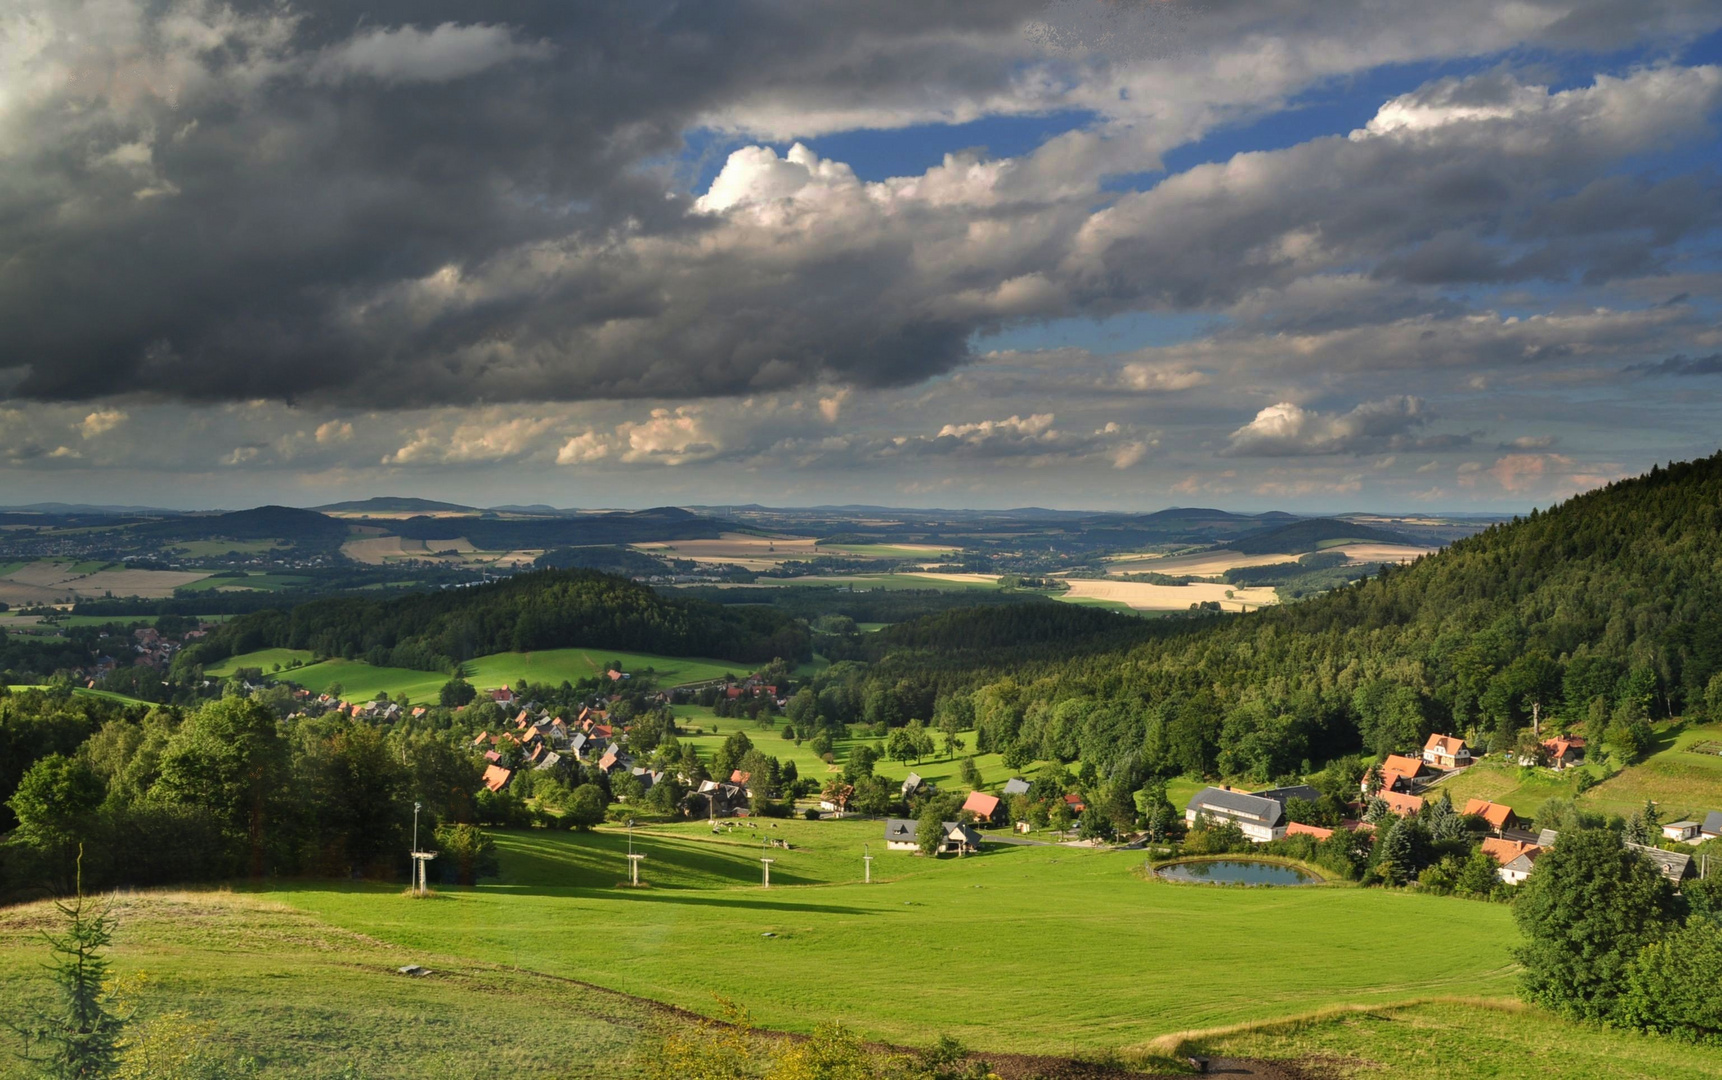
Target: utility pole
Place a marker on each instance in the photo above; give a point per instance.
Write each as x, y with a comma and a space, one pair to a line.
633, 859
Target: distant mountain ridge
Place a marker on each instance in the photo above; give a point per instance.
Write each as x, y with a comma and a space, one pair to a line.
1300, 537
389, 504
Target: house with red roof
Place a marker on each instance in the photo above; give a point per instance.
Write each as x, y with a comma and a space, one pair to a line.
1298, 828
1400, 803
984, 806
1516, 857
1498, 815
1446, 752
496, 777
1564, 751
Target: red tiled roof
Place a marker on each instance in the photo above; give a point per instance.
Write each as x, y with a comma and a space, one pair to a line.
496, 777
1296, 828
1495, 814
1401, 804
1075, 803
1402, 764
1445, 745
481, 738
1559, 746
736, 776
1505, 851
981, 804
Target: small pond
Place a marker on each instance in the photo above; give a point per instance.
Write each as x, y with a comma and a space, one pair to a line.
1237, 872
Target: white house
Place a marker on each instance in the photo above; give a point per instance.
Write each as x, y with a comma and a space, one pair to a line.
1684, 831
1261, 816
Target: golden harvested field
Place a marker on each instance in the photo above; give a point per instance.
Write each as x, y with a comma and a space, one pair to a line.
51, 582
1201, 564
379, 550
1140, 596
1215, 563
740, 549
1145, 597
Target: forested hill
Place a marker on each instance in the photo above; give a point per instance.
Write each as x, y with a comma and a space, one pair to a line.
549, 609
1603, 612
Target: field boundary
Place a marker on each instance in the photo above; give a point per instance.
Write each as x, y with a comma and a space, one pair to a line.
1184, 1043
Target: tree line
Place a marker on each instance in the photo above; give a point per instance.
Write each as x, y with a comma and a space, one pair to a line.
435, 631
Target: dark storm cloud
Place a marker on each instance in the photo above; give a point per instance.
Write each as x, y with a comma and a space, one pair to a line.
1680, 366
399, 204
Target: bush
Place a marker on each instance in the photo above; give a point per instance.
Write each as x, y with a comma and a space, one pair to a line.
467, 854
811, 813
585, 807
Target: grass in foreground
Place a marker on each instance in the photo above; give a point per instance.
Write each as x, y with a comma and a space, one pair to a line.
311, 1000
1470, 1039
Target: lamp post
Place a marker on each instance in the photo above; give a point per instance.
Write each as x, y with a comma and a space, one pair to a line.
867, 857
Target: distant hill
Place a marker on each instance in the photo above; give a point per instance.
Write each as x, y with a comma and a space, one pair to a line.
385, 504
263, 523
1301, 536
582, 530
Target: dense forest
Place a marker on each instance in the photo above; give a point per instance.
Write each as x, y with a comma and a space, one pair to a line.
1602, 613
435, 631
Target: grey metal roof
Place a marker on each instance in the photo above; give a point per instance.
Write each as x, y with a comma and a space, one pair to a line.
912, 782
1671, 864
1296, 791
902, 830
1547, 838
1016, 785
1215, 801
1713, 823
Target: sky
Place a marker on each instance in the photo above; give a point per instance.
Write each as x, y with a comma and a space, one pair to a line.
1312, 255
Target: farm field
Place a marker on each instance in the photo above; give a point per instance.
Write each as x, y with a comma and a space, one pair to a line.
964, 927
931, 552
254, 581
1684, 782
1145, 597
1216, 562
52, 582
361, 680
740, 549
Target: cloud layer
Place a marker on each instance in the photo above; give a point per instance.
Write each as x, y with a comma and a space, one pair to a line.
450, 238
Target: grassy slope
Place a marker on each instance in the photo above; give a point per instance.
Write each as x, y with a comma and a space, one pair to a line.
306, 998
361, 680
956, 931
941, 770
1684, 784
1474, 1040
303, 976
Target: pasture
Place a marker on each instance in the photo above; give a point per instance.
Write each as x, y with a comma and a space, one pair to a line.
931, 946
1050, 950
360, 680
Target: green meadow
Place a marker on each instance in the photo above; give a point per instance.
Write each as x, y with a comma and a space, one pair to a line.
932, 947
260, 581
361, 680
1049, 949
